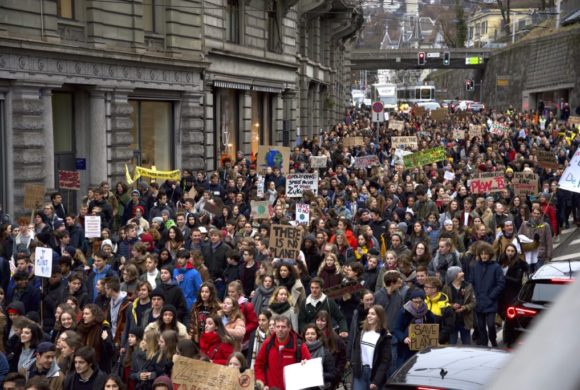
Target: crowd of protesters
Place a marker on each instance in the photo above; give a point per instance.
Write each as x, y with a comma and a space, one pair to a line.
183, 267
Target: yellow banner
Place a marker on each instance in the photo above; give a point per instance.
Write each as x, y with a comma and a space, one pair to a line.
151, 173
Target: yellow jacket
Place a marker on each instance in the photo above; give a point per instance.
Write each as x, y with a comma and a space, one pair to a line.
436, 304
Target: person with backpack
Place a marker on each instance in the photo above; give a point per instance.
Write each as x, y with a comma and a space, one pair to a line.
281, 349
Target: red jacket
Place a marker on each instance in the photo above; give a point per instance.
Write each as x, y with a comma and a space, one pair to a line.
251, 319
212, 346
273, 374
550, 212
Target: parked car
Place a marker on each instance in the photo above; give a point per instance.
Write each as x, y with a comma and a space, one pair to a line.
449, 368
536, 295
463, 105
429, 105
476, 107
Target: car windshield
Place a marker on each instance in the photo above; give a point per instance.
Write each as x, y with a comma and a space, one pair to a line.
541, 291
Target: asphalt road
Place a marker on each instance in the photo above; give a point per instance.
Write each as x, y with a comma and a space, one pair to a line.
568, 248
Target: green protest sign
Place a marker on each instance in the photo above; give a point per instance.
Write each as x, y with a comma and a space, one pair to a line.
425, 157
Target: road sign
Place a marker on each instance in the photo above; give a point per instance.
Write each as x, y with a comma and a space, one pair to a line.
474, 60
502, 81
378, 111
433, 55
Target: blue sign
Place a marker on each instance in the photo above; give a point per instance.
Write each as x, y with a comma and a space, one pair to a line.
81, 164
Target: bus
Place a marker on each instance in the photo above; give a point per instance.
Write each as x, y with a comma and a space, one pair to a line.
414, 94
387, 94
358, 96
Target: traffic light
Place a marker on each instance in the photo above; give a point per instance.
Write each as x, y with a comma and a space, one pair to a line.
446, 58
469, 85
421, 58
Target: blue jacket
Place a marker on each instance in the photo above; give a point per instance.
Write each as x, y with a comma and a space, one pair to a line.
95, 276
190, 284
488, 282
4, 369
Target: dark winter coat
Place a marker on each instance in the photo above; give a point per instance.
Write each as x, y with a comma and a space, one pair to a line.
488, 282
381, 359
307, 314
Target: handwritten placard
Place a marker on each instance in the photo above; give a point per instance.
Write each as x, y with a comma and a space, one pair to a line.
366, 161
396, 125
439, 114
318, 161
352, 141
92, 226
475, 131
425, 157
499, 129
69, 180
458, 134
547, 159
483, 183
303, 213
193, 374
405, 142
260, 183
43, 262
297, 183
285, 241
525, 183
33, 196
423, 336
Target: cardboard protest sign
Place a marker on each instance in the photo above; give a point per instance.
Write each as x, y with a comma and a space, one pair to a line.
424, 157
499, 129
318, 161
303, 213
342, 289
273, 157
439, 114
423, 336
547, 159
475, 131
458, 134
261, 209
418, 111
92, 226
483, 183
69, 180
214, 206
525, 183
352, 141
297, 183
192, 374
366, 161
285, 241
574, 120
396, 125
33, 196
43, 262
404, 142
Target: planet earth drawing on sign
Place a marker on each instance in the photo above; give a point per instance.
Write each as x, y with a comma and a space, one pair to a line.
261, 209
274, 159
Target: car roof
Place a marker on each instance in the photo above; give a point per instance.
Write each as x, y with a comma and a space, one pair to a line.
451, 367
558, 269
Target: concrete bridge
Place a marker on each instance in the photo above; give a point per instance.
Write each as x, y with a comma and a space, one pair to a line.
462, 58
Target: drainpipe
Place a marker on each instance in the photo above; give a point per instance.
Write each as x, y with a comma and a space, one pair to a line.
42, 19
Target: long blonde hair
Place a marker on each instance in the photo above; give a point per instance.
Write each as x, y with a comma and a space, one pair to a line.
151, 339
275, 294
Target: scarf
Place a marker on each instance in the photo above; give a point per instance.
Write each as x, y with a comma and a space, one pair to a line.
315, 349
258, 341
418, 314
288, 282
279, 307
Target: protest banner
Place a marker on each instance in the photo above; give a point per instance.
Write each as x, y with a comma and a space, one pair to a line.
303, 213
418, 111
475, 131
305, 375
352, 141
273, 157
525, 183
69, 180
396, 125
318, 161
404, 142
193, 374
439, 114
499, 129
366, 161
448, 175
151, 173
458, 134
423, 336
547, 159
297, 183
424, 157
342, 289
487, 182
93, 226
33, 196
570, 179
285, 241
43, 262
261, 209
260, 183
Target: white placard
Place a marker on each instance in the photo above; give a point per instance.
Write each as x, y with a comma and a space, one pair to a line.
570, 179
43, 262
297, 183
303, 213
300, 376
260, 186
318, 161
92, 226
449, 175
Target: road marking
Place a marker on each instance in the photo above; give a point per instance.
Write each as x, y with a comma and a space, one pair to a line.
567, 257
577, 241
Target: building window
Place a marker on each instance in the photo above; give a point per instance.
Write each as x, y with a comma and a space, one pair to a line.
152, 133
63, 109
233, 21
227, 123
484, 27
149, 15
274, 28
65, 9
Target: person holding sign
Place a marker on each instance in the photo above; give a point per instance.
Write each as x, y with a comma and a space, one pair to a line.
371, 355
438, 304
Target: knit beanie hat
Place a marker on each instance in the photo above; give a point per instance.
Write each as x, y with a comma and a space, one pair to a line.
452, 273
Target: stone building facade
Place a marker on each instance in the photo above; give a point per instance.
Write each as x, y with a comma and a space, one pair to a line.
173, 84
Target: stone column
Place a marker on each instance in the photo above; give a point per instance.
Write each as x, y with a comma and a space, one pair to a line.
192, 136
119, 136
278, 115
289, 102
316, 110
246, 123
97, 161
49, 178
210, 131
